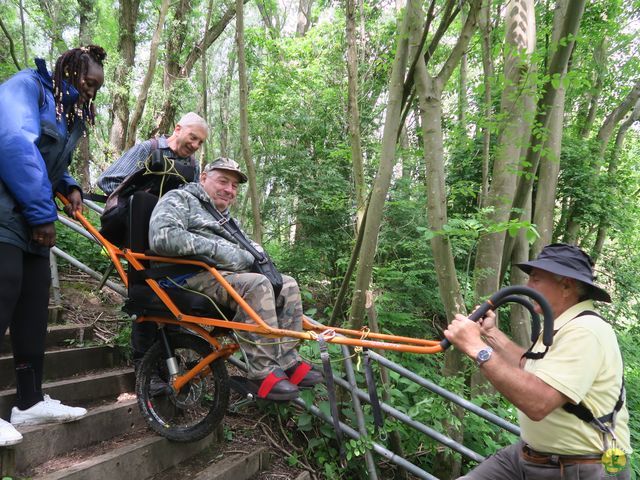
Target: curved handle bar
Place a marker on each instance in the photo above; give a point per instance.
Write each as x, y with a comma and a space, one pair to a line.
535, 318
499, 298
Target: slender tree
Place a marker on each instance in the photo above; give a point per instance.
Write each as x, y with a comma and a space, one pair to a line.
550, 158
244, 124
558, 64
519, 44
354, 111
127, 22
148, 76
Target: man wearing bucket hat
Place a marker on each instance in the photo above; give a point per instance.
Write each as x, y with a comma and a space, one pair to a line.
194, 220
570, 397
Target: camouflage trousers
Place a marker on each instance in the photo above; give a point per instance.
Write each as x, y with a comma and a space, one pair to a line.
263, 354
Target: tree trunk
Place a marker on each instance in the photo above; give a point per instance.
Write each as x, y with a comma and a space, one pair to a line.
382, 180
354, 112
609, 124
173, 70
12, 48
484, 24
127, 22
83, 154
557, 65
148, 76
550, 160
244, 124
270, 18
204, 100
520, 318
600, 59
574, 221
463, 103
429, 90
304, 17
224, 106
23, 32
520, 42
611, 183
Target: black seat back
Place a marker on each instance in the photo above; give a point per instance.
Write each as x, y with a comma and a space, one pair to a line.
141, 205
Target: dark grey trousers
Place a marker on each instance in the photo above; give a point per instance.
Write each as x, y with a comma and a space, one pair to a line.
508, 464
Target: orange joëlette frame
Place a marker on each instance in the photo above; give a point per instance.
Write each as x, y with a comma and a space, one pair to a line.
354, 338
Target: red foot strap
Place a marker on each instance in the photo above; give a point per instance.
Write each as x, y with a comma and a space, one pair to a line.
268, 383
300, 373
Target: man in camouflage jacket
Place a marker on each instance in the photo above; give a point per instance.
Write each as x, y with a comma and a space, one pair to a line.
181, 225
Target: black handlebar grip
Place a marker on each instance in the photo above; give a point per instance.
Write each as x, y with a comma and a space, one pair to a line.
500, 298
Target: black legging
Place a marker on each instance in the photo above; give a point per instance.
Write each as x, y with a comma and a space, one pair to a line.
24, 303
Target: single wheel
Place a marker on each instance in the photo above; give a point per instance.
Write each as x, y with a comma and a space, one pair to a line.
197, 409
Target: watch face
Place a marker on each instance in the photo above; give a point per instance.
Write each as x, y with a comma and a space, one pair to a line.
484, 355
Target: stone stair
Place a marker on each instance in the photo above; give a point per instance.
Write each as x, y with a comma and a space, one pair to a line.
112, 441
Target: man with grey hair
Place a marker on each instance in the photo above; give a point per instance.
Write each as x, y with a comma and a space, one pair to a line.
570, 396
189, 134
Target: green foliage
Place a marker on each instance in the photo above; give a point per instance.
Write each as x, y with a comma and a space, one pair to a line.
86, 251
628, 340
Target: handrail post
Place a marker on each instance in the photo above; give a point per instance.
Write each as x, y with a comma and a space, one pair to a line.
357, 407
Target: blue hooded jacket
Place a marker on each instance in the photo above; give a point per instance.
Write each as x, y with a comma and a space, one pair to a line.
35, 151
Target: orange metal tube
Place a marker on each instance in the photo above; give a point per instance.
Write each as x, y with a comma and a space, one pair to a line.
310, 332
114, 252
182, 380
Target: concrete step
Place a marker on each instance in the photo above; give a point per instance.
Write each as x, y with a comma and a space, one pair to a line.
59, 336
65, 363
81, 390
140, 460
44, 442
237, 466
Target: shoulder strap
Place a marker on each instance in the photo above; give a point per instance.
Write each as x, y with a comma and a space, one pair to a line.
582, 412
538, 355
230, 226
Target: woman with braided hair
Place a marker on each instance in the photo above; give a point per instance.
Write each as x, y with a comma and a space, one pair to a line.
41, 120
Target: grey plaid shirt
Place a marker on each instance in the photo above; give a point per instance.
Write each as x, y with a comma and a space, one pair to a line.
132, 160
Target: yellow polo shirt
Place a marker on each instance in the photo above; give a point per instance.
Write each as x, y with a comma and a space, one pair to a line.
584, 363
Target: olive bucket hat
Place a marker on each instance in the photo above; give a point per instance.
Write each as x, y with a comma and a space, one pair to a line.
222, 163
567, 261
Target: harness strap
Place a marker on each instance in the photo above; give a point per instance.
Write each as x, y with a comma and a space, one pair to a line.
268, 383
331, 394
600, 423
579, 410
378, 420
300, 372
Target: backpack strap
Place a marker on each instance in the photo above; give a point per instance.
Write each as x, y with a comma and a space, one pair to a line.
583, 413
230, 226
580, 410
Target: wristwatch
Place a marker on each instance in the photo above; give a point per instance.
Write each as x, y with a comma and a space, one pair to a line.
484, 355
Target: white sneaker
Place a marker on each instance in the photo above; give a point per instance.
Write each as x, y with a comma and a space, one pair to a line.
48, 410
8, 434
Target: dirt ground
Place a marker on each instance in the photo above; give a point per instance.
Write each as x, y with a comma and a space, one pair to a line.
244, 430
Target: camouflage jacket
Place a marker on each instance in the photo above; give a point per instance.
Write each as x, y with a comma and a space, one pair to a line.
181, 226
